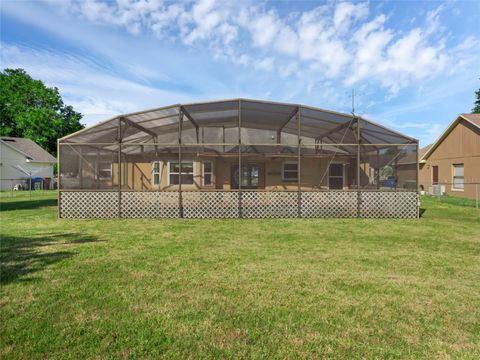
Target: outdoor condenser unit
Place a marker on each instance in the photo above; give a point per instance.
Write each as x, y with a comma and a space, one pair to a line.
436, 190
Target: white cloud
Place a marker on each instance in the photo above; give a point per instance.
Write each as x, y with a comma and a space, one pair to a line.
93, 91
346, 12
353, 43
334, 41
264, 64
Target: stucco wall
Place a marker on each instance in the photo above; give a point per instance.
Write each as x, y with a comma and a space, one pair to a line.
138, 175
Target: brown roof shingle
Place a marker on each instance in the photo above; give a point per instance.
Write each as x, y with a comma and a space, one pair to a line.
29, 147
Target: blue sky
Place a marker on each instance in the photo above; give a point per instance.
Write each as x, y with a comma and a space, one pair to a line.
414, 65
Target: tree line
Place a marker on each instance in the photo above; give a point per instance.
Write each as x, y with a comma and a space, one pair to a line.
32, 110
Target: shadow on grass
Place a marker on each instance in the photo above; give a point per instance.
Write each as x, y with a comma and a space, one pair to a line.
421, 212
27, 204
21, 256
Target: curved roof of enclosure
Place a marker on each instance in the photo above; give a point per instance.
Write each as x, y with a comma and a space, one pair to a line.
161, 125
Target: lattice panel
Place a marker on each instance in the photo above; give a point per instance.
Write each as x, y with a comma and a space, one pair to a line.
150, 204
380, 204
210, 204
88, 204
335, 204
224, 204
269, 204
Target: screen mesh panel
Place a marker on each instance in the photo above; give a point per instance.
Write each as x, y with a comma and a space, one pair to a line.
238, 158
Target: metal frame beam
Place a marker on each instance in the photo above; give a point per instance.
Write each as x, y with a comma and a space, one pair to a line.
119, 167
359, 197
137, 126
334, 130
287, 120
190, 117
180, 167
240, 215
299, 169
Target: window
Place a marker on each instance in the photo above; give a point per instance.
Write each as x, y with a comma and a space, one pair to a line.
458, 179
156, 173
186, 172
104, 170
335, 176
249, 175
207, 173
290, 171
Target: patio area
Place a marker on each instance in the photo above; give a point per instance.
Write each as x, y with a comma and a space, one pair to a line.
238, 159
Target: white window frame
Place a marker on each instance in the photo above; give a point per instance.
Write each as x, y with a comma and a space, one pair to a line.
155, 172
174, 173
290, 171
110, 170
210, 172
454, 166
343, 174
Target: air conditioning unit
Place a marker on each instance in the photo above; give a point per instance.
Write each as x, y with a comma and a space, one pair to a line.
436, 190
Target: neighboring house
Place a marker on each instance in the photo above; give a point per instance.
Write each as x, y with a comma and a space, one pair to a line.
453, 161
21, 159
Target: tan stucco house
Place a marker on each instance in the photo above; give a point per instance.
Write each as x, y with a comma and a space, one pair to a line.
453, 161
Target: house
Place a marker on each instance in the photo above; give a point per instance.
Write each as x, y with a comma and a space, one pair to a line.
21, 160
237, 158
453, 161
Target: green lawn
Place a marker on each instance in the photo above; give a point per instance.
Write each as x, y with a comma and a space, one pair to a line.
239, 288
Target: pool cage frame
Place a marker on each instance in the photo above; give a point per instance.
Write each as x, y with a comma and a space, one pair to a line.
334, 140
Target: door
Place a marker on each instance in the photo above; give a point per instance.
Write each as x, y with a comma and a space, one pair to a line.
335, 177
434, 175
250, 176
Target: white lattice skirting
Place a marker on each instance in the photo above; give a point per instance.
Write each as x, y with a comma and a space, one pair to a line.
232, 204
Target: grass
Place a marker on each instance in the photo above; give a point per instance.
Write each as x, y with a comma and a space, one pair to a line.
239, 288
456, 200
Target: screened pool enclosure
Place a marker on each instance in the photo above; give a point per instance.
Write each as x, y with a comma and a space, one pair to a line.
237, 159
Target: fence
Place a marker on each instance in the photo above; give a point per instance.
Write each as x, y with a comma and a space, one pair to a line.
20, 186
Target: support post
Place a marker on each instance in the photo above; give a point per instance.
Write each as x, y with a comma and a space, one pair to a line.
96, 168
80, 168
396, 172
359, 198
418, 169
59, 205
378, 169
299, 176
240, 158
418, 180
180, 167
119, 168
279, 140
223, 137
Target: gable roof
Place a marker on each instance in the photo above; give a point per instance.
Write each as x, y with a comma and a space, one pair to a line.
411, 158
29, 148
473, 119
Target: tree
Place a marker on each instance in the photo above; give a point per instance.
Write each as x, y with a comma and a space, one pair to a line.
476, 107
30, 109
